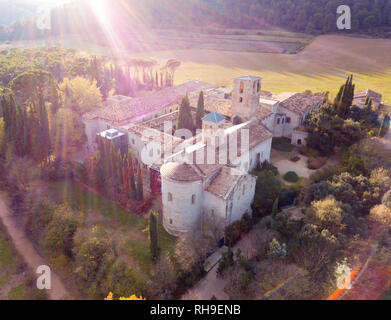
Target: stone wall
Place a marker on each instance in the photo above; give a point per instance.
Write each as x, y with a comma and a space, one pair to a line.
180, 215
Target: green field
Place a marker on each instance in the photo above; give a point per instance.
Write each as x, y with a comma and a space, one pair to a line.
321, 66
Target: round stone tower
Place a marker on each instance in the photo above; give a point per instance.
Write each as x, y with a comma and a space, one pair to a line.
182, 192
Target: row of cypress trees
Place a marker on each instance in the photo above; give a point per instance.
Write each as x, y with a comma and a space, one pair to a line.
27, 128
112, 171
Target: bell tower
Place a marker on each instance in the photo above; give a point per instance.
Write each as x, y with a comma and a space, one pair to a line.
245, 97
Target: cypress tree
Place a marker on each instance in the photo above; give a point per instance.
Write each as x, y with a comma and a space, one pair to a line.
6, 117
185, 120
139, 186
19, 138
153, 235
275, 207
43, 134
132, 180
200, 110
55, 100
344, 99
12, 118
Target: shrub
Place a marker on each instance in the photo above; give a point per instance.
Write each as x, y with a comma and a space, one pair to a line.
295, 158
288, 196
266, 166
283, 144
387, 199
316, 163
309, 152
325, 174
234, 231
277, 250
227, 260
291, 176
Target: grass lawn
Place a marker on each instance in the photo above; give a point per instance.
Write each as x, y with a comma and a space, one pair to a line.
282, 144
128, 229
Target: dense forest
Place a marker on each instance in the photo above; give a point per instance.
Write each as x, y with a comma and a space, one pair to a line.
131, 16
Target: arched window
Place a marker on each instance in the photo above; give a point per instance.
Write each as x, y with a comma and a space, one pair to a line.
240, 99
169, 196
241, 87
258, 86
193, 197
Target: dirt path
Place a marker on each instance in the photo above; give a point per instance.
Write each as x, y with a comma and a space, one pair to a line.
28, 252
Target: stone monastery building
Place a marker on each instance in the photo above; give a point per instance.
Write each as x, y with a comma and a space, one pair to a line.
207, 174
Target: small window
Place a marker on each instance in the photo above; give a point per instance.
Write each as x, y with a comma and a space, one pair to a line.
213, 212
170, 110
193, 197
244, 189
278, 121
258, 86
288, 120
240, 99
169, 196
170, 221
108, 127
283, 121
241, 87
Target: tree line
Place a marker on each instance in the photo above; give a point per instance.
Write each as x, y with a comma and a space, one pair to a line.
313, 17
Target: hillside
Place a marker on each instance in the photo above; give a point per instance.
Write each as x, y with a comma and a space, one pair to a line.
15, 10
103, 19
314, 17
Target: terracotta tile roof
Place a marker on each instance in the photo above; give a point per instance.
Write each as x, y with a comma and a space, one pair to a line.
258, 133
166, 141
300, 103
213, 103
224, 182
122, 109
180, 172
377, 97
265, 110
